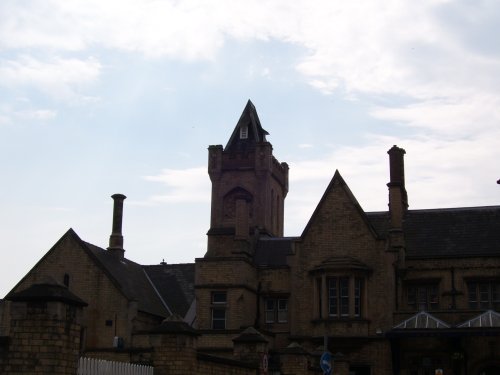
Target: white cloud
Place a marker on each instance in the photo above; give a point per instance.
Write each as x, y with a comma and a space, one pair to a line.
305, 145
61, 78
38, 114
439, 173
183, 185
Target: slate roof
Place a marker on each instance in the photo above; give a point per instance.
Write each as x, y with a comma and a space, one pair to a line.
256, 133
131, 279
453, 232
272, 252
174, 283
447, 232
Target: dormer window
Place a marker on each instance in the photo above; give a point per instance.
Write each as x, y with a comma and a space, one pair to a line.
243, 131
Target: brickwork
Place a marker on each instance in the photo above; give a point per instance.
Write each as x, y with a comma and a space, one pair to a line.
45, 339
338, 231
174, 354
215, 366
88, 281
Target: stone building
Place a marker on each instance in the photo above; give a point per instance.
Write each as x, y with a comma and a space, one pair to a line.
410, 292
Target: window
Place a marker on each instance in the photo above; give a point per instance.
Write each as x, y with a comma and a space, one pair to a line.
340, 291
219, 304
423, 297
243, 131
276, 310
484, 295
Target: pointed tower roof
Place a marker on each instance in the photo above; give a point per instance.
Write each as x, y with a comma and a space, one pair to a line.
249, 120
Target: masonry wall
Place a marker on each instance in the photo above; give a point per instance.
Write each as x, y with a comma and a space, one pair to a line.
45, 339
237, 277
337, 236
453, 306
108, 314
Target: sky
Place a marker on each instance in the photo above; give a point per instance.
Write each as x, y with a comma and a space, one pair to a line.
102, 97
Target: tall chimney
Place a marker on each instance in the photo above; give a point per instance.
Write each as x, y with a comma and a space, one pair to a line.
398, 198
116, 238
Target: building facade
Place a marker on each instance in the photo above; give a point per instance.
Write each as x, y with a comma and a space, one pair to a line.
409, 292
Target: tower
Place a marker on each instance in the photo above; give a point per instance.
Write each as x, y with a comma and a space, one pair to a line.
248, 191
249, 187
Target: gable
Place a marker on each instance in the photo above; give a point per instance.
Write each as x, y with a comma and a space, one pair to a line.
338, 214
92, 274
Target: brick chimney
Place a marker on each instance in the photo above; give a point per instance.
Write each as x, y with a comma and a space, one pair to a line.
116, 238
398, 198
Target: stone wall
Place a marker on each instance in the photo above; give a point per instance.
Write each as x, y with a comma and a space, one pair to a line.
45, 339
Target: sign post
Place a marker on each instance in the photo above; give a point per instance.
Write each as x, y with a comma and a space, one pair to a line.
326, 363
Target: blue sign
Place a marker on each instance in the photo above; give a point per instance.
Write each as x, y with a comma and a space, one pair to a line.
325, 363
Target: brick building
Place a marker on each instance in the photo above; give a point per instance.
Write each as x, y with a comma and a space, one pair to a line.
410, 292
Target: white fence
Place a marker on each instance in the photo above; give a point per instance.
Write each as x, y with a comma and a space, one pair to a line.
92, 366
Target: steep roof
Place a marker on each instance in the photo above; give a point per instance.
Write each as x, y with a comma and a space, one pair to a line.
131, 279
127, 276
174, 283
256, 133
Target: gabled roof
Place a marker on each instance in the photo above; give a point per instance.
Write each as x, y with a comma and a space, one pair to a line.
127, 276
249, 118
131, 280
488, 319
175, 285
338, 181
422, 320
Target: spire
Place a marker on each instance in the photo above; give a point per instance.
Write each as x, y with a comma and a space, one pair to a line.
248, 130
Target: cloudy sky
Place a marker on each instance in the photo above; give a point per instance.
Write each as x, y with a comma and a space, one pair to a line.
99, 97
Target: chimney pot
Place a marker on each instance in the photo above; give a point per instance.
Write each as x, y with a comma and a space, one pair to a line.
396, 165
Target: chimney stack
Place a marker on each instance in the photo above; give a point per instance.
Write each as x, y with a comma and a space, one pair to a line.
398, 198
116, 238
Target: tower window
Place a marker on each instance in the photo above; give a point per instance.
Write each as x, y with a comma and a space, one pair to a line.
243, 131
219, 303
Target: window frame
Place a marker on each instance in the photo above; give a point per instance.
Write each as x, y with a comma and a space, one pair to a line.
218, 303
344, 296
275, 310
244, 132
486, 294
423, 296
